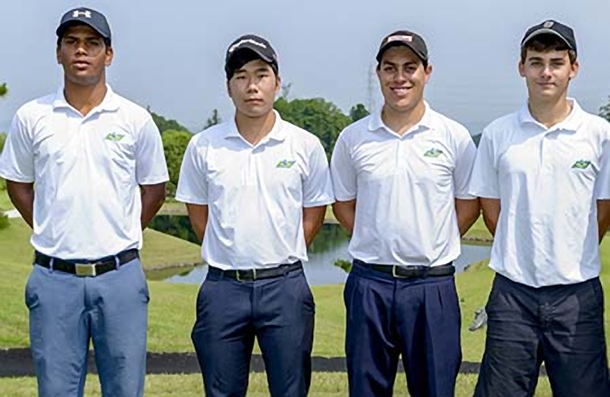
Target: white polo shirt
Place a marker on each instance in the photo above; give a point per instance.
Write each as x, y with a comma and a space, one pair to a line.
255, 194
404, 188
87, 172
548, 181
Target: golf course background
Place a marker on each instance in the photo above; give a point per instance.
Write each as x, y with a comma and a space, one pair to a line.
172, 312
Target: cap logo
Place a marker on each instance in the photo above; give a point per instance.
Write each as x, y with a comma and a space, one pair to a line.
548, 24
241, 42
77, 13
400, 37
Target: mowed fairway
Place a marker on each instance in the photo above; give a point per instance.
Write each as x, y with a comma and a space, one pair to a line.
172, 314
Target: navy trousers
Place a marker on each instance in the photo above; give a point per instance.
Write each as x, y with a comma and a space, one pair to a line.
388, 317
562, 326
278, 311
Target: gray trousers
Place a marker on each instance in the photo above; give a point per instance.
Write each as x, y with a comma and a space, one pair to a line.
67, 312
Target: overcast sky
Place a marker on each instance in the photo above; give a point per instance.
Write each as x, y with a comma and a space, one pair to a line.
169, 54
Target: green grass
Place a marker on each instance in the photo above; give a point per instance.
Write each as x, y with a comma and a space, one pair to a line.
322, 385
5, 202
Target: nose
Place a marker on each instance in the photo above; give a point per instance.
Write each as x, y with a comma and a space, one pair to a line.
546, 71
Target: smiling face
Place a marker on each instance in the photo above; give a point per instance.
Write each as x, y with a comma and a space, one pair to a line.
547, 74
402, 77
83, 55
253, 88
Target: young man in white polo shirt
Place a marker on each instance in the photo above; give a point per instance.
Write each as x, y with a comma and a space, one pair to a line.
401, 177
543, 178
256, 190
85, 168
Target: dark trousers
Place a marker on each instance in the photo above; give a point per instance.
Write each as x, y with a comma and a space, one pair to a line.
278, 311
562, 326
388, 317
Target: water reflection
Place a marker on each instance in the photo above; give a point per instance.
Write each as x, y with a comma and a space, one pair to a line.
329, 245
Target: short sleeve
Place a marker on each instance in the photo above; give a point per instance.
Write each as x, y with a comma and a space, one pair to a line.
17, 158
484, 181
465, 158
317, 185
151, 167
343, 173
192, 184
602, 181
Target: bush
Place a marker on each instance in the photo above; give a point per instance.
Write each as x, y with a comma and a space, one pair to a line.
4, 221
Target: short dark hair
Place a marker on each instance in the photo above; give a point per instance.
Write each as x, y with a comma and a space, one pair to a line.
547, 42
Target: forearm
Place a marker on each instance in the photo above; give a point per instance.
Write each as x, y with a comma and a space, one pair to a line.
603, 217
491, 213
467, 212
313, 218
152, 197
198, 215
345, 212
22, 197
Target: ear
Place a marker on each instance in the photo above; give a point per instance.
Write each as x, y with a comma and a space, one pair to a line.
109, 56
574, 68
58, 54
428, 72
278, 84
521, 69
229, 88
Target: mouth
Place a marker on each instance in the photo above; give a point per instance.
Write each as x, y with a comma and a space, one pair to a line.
80, 64
400, 91
254, 101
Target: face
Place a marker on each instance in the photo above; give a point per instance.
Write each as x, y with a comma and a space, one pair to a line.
83, 55
402, 78
547, 74
253, 88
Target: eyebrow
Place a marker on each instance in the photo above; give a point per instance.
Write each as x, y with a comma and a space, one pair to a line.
540, 59
257, 70
397, 64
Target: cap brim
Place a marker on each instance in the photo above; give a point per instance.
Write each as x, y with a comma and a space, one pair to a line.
62, 28
545, 31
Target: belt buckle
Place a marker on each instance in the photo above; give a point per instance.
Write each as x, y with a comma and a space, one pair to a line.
238, 278
394, 274
85, 270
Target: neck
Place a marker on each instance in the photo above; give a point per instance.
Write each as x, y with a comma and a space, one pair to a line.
84, 97
401, 122
550, 113
254, 129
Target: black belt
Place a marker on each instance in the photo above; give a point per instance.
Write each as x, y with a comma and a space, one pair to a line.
89, 268
257, 274
399, 271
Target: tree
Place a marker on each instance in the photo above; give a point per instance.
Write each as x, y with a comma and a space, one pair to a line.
164, 124
604, 111
318, 116
3, 90
174, 146
213, 119
358, 112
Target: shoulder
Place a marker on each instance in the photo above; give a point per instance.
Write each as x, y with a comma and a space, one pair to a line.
501, 126
356, 130
37, 107
132, 110
299, 136
452, 129
209, 136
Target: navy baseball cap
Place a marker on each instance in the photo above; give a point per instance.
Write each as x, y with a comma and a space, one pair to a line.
82, 15
261, 48
404, 37
564, 32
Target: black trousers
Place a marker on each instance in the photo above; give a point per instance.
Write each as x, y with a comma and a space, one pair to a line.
562, 326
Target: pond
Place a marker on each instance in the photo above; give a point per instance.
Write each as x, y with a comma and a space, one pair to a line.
328, 246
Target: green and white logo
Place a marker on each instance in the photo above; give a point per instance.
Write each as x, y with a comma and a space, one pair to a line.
434, 153
581, 164
114, 137
285, 164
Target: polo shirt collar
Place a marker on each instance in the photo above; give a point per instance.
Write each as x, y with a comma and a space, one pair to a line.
277, 133
376, 122
109, 103
571, 123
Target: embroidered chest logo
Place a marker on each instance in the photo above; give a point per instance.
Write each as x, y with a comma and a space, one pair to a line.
285, 163
581, 164
114, 137
433, 153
